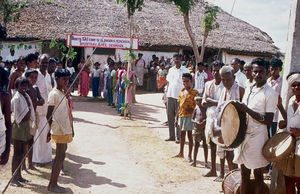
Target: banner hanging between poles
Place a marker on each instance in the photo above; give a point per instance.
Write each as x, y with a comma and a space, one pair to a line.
105, 41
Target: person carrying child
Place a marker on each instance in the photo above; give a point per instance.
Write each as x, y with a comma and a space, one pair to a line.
24, 120
199, 120
184, 115
61, 126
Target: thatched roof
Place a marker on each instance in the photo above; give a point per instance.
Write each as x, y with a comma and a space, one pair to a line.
159, 23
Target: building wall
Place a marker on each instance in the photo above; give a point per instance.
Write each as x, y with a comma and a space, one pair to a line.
147, 55
227, 58
18, 52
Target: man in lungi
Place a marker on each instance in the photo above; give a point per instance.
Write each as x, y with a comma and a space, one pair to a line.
259, 102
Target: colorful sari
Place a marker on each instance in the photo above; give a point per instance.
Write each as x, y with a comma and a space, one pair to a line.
83, 86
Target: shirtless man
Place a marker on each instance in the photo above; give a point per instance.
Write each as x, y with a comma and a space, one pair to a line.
212, 91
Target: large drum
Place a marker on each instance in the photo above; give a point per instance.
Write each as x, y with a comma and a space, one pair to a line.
232, 182
280, 146
232, 125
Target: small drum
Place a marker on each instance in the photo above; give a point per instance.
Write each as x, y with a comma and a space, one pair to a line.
278, 147
232, 181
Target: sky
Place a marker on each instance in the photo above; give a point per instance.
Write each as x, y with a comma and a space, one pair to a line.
271, 16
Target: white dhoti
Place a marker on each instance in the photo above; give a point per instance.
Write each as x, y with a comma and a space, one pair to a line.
249, 152
42, 151
210, 115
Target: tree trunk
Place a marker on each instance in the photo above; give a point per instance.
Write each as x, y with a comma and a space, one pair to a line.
192, 36
203, 44
130, 63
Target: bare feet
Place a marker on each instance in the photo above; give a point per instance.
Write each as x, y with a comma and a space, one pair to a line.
193, 164
64, 172
206, 165
180, 155
31, 167
22, 180
57, 189
190, 159
211, 174
219, 178
16, 183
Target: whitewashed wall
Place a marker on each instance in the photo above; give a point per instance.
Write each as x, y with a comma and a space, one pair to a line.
227, 58
18, 52
147, 55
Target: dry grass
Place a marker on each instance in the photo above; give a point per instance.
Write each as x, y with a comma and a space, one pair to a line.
155, 154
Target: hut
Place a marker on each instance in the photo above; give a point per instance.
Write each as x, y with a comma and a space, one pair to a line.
159, 27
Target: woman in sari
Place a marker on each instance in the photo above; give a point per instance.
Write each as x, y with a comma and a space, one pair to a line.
83, 86
161, 77
129, 87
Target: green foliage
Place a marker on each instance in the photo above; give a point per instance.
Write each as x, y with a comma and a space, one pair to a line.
130, 54
210, 17
67, 54
132, 5
184, 6
10, 11
124, 107
19, 46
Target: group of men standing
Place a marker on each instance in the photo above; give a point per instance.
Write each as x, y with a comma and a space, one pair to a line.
253, 94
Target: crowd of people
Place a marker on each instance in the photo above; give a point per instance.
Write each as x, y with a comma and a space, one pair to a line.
33, 90
193, 104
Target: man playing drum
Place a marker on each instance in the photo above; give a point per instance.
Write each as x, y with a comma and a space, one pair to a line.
231, 91
212, 91
259, 102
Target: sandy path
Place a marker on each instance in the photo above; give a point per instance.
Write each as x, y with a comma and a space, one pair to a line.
108, 154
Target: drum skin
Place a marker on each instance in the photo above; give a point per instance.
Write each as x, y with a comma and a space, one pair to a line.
280, 146
232, 182
233, 125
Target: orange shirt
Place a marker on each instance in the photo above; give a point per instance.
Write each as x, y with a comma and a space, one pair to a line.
187, 102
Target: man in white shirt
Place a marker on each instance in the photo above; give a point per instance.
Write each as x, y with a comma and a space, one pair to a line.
275, 82
248, 73
200, 78
259, 102
174, 87
12, 56
240, 78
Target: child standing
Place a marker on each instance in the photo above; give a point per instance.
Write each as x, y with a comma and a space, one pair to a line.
15, 75
184, 115
199, 120
61, 126
24, 120
37, 100
96, 79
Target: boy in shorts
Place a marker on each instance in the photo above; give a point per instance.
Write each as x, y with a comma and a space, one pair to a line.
184, 115
61, 127
199, 120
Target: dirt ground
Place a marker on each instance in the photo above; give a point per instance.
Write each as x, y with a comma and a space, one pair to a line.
112, 155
